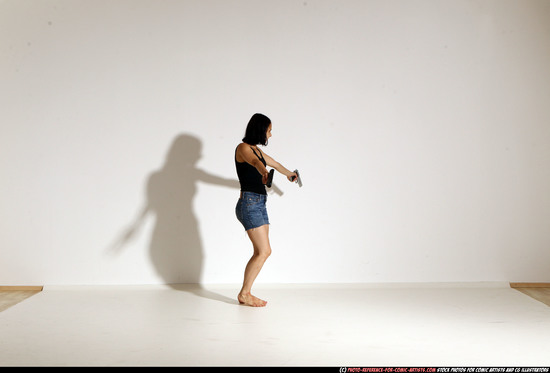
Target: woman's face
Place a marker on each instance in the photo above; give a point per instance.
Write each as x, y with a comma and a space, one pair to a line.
268, 133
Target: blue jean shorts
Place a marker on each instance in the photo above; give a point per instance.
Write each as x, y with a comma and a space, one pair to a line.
251, 210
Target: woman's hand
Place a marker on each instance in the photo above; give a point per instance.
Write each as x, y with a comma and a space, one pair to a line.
293, 177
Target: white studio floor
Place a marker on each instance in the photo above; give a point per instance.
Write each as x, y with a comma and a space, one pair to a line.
302, 325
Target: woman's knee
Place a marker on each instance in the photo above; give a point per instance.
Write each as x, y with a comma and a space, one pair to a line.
266, 253
263, 253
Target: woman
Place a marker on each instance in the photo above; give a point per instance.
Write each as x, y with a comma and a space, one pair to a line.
251, 211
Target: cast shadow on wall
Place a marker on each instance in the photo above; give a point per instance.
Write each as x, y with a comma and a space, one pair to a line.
175, 247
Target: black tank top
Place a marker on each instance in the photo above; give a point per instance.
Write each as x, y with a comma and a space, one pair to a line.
249, 177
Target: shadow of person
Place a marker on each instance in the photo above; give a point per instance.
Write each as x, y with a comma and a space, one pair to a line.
175, 247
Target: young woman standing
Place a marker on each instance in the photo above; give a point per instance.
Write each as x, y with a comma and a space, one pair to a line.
251, 210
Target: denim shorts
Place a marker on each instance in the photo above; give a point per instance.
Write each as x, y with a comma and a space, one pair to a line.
251, 210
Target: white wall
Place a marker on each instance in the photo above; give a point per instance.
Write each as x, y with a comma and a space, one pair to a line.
421, 129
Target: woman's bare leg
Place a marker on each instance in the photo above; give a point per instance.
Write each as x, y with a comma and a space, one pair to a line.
262, 250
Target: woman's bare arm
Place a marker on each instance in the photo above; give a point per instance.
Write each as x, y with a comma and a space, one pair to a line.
279, 167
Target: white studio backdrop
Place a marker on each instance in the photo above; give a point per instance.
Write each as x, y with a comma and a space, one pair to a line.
421, 129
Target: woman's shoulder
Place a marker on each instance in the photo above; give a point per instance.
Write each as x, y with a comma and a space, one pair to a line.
240, 150
244, 147
246, 151
240, 147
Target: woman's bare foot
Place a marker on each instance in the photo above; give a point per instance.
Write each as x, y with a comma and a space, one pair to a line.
250, 300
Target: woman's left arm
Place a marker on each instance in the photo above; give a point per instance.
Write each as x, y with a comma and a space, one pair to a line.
279, 167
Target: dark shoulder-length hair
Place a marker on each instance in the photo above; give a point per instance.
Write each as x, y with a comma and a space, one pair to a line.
256, 130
